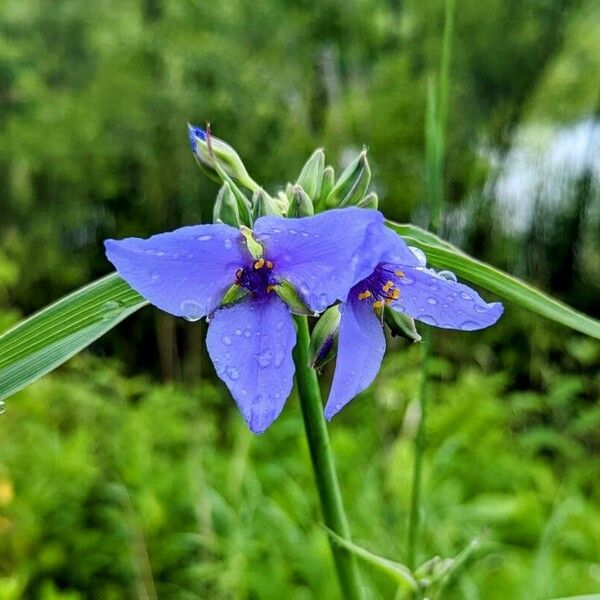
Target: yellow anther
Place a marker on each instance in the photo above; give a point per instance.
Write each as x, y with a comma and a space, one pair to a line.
398, 273
270, 288
396, 294
260, 263
238, 274
388, 301
378, 304
269, 264
388, 286
364, 295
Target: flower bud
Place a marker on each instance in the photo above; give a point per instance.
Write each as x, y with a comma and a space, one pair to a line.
263, 204
311, 176
217, 158
323, 339
287, 292
226, 208
352, 184
300, 205
371, 200
326, 187
401, 324
234, 294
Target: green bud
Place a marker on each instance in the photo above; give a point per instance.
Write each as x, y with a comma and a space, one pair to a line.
282, 201
401, 324
263, 204
300, 205
369, 201
326, 187
311, 176
217, 158
323, 339
243, 204
226, 208
287, 292
234, 294
254, 247
352, 184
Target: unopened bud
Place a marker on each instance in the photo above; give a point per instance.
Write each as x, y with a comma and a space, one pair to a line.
234, 294
401, 324
263, 204
287, 292
371, 200
226, 208
326, 187
323, 339
352, 185
311, 176
300, 205
217, 158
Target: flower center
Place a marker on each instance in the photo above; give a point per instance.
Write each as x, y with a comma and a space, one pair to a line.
379, 288
257, 278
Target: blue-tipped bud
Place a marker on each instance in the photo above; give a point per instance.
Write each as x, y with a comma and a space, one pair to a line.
226, 208
311, 176
300, 204
217, 159
352, 185
323, 339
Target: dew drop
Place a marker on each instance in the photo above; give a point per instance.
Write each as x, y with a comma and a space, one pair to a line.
191, 310
2, 409
232, 373
466, 296
226, 340
275, 230
228, 244
305, 233
293, 231
469, 325
434, 286
159, 253
264, 359
280, 325
247, 333
279, 356
428, 319
110, 309
419, 255
244, 392
406, 280
154, 276
432, 300
304, 290
238, 332
324, 300
448, 275
480, 309
204, 238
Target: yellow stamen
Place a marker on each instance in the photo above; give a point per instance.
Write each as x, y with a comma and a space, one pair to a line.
399, 273
378, 304
364, 295
270, 288
260, 263
388, 301
269, 264
388, 286
396, 294
238, 274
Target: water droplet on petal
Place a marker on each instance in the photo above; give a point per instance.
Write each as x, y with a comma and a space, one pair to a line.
428, 319
247, 333
480, 309
264, 359
191, 310
419, 255
305, 233
304, 290
280, 325
434, 286
243, 391
232, 373
228, 244
293, 231
324, 300
238, 332
279, 356
159, 253
432, 300
154, 276
226, 340
406, 280
469, 325
448, 275
466, 296
275, 230
204, 238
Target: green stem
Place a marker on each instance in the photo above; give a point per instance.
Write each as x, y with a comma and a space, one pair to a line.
323, 464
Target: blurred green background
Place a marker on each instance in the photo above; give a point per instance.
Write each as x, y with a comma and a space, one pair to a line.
128, 473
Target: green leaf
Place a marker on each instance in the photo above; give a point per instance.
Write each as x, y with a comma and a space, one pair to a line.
397, 571
444, 255
48, 338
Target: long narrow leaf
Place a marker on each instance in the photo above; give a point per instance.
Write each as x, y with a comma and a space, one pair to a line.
48, 338
443, 255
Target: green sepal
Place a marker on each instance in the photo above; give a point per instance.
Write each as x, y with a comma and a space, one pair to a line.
287, 292
401, 324
326, 187
300, 204
226, 209
323, 339
215, 157
371, 200
311, 176
254, 247
263, 205
234, 294
352, 184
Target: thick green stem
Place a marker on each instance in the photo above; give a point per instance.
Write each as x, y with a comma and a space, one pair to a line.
321, 456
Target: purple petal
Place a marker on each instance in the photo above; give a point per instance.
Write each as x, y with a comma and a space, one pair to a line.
324, 255
251, 344
394, 249
428, 297
184, 272
361, 346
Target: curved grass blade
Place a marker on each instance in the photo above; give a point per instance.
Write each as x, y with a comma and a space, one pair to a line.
442, 254
51, 336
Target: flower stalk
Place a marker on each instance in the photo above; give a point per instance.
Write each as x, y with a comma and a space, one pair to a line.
332, 507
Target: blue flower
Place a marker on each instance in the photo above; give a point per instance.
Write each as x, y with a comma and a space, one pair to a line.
187, 272
402, 281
